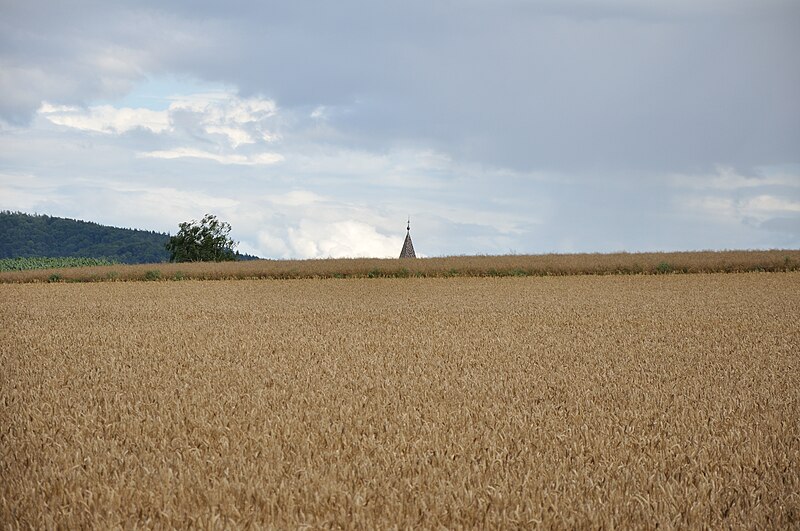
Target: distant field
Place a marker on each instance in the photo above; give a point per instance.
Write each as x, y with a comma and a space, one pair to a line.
27, 264
453, 266
571, 402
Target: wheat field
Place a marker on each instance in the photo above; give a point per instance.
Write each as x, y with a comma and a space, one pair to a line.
561, 402
776, 260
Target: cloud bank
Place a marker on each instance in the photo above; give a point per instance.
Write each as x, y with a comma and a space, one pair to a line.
498, 126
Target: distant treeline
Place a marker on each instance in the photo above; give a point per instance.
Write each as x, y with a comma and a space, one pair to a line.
26, 236
40, 236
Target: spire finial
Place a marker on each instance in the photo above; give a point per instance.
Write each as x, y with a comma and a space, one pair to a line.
408, 226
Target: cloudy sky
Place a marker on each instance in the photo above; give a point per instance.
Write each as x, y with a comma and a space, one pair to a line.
499, 126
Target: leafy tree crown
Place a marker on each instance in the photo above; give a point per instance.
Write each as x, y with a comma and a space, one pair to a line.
203, 241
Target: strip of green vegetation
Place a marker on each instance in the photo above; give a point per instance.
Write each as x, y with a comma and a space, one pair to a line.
26, 264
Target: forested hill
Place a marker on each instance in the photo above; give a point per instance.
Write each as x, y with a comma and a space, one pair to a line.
25, 235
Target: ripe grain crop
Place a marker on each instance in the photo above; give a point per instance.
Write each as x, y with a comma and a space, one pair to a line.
450, 266
584, 401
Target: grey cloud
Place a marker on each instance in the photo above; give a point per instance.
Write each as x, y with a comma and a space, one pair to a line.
502, 125
556, 85
530, 86
787, 225
81, 52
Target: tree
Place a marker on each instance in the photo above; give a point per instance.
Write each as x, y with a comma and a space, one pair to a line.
203, 241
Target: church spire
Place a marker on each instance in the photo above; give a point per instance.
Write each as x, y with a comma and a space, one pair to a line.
408, 247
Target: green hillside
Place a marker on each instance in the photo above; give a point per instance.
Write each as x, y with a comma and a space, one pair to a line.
25, 235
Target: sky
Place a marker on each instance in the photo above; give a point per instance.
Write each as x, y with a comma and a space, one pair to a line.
316, 129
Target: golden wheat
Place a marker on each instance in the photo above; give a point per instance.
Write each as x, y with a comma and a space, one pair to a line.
459, 266
590, 401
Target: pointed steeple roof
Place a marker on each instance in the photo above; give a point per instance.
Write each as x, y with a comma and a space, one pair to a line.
408, 247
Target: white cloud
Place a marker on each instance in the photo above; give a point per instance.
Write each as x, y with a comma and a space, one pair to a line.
106, 119
28, 193
418, 169
295, 198
727, 178
224, 106
500, 222
269, 245
303, 224
319, 113
167, 198
221, 118
765, 206
231, 158
762, 210
730, 210
26, 181
346, 238
240, 120
235, 136
720, 209
193, 121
